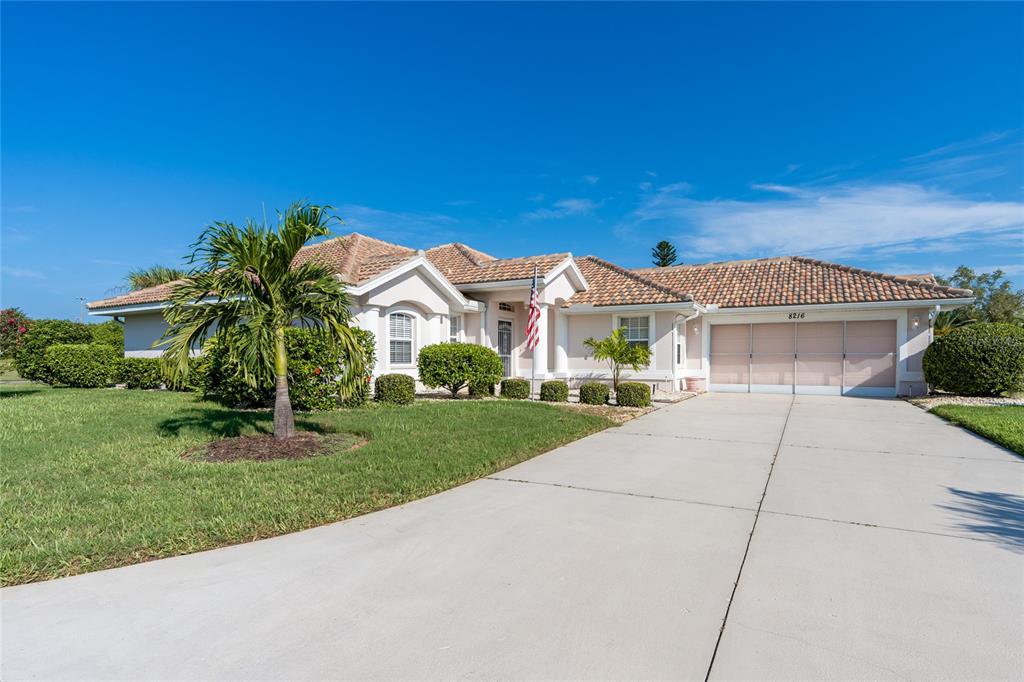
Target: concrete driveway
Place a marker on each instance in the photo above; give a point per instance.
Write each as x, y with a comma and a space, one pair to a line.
834, 537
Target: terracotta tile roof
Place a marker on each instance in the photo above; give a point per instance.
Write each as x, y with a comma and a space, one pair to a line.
455, 260
794, 280
464, 265
608, 284
355, 257
160, 292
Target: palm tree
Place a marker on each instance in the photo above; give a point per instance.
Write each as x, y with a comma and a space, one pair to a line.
948, 320
617, 351
246, 288
143, 278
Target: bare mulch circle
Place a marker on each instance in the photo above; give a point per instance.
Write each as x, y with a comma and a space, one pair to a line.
266, 448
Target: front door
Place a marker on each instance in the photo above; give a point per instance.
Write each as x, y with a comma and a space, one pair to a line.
505, 345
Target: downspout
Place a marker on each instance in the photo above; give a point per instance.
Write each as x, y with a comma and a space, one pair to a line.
683, 321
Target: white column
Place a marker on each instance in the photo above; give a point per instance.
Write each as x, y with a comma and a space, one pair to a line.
371, 323
561, 343
540, 353
483, 325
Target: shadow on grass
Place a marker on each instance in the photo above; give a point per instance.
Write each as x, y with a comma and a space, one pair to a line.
997, 516
227, 423
6, 392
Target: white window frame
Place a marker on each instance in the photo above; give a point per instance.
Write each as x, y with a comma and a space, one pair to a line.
650, 328
455, 336
411, 339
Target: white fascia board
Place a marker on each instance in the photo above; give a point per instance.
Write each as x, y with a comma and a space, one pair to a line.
925, 303
130, 309
572, 271
591, 309
501, 284
418, 262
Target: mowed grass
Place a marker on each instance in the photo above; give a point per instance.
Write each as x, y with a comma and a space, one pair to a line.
93, 479
1004, 424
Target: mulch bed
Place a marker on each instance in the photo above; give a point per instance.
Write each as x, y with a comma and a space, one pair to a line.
266, 448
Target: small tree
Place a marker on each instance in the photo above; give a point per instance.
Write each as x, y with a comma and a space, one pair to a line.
617, 351
248, 289
14, 325
948, 320
995, 298
664, 254
455, 366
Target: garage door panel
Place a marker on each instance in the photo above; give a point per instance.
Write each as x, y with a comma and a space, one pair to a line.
730, 369
873, 336
819, 337
871, 371
819, 362
771, 373
730, 339
773, 339
816, 371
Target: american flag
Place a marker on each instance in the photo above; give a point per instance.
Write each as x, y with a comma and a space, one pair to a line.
532, 333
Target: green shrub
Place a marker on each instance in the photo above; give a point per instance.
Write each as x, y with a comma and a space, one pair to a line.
314, 365
481, 390
555, 391
455, 366
30, 357
138, 372
516, 389
82, 365
109, 333
395, 389
633, 394
196, 379
594, 393
979, 359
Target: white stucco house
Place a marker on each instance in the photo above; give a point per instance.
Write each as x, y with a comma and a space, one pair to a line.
780, 325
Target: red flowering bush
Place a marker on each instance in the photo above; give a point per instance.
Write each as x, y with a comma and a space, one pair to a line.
14, 325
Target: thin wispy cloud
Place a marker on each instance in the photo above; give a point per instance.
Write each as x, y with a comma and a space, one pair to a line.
591, 179
22, 273
563, 208
403, 227
839, 220
460, 202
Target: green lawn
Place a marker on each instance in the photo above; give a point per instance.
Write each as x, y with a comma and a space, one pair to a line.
92, 478
1004, 425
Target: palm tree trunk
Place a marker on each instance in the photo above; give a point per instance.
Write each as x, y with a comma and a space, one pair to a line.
284, 419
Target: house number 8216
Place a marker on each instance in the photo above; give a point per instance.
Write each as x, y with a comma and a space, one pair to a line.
797, 316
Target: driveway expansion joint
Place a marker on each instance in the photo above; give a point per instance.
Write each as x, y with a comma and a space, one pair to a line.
620, 492
750, 538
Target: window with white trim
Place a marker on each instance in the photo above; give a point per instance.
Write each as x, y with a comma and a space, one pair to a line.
454, 327
636, 329
506, 307
400, 338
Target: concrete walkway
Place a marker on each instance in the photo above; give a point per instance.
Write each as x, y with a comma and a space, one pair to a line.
869, 540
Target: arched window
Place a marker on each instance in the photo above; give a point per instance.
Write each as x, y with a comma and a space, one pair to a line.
400, 338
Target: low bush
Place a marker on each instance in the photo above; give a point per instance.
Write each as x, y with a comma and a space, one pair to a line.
197, 369
314, 365
594, 393
455, 366
30, 357
481, 390
82, 365
554, 391
516, 389
395, 389
138, 372
978, 359
633, 394
109, 333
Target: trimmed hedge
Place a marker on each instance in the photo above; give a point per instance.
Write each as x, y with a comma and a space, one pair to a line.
109, 333
455, 366
594, 393
314, 363
395, 389
633, 394
481, 390
82, 365
516, 389
554, 391
30, 357
978, 359
138, 372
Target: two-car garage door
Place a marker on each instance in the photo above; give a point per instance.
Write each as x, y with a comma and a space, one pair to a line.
829, 358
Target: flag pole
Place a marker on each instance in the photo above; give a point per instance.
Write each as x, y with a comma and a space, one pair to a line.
533, 351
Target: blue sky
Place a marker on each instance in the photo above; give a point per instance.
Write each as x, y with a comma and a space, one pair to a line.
884, 136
